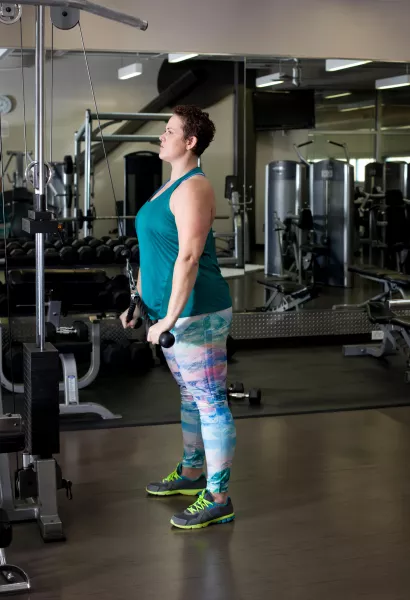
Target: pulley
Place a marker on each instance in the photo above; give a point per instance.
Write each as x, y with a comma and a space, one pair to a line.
64, 18
10, 13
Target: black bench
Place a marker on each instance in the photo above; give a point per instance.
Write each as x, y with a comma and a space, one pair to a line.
393, 332
285, 295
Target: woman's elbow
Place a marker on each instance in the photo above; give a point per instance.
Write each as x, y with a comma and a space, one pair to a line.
190, 259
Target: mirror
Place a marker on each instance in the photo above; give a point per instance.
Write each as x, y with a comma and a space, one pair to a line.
319, 136
125, 84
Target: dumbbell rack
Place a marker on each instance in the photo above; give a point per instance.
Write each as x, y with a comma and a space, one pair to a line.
76, 253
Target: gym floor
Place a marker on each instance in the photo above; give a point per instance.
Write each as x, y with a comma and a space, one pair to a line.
320, 487
321, 504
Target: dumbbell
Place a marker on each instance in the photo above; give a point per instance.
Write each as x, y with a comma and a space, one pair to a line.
68, 255
77, 244
79, 330
12, 246
141, 358
135, 254
118, 254
113, 242
95, 243
104, 255
237, 390
86, 255
130, 242
119, 288
115, 355
28, 245
51, 256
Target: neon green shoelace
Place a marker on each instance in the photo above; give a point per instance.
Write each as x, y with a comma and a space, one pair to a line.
200, 504
172, 476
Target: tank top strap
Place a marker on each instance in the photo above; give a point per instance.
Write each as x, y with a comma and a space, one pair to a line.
191, 173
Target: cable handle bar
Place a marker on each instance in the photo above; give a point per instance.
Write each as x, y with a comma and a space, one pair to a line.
166, 339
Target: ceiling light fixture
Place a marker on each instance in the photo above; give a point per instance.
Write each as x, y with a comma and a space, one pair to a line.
268, 80
180, 56
341, 95
393, 82
130, 71
338, 65
357, 106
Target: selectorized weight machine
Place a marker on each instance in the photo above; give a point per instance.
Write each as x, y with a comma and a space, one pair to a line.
37, 436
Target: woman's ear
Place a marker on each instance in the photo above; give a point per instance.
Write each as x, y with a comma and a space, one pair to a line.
191, 143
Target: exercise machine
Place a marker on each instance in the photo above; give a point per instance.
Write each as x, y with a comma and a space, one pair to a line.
38, 480
236, 251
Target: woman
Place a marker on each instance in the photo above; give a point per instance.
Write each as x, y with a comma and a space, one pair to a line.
181, 284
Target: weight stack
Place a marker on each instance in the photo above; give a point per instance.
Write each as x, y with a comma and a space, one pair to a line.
41, 400
143, 176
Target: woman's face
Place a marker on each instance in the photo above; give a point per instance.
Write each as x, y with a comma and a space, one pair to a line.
173, 143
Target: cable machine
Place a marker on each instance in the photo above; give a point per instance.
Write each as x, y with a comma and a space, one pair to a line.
39, 435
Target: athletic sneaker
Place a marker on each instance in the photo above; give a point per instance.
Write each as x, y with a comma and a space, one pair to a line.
176, 483
205, 511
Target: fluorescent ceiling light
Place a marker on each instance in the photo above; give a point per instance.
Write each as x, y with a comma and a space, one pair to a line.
180, 56
4, 51
338, 65
130, 71
393, 82
341, 95
267, 80
356, 106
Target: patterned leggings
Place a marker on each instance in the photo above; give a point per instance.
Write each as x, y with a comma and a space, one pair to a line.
198, 363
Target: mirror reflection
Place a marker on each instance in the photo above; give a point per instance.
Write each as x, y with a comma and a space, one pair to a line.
332, 157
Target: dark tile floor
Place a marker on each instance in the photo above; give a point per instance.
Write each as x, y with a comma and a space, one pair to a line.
322, 505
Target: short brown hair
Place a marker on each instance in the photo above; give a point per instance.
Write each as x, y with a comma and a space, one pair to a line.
196, 124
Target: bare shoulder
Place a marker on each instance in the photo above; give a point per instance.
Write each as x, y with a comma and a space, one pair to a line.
194, 189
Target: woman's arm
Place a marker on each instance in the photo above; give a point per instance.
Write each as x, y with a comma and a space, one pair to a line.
193, 208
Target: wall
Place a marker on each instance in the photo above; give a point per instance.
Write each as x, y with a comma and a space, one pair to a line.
72, 96
375, 29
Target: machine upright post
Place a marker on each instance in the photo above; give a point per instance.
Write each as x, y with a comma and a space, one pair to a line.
39, 176
87, 169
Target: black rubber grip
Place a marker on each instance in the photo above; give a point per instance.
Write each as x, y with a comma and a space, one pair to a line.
166, 339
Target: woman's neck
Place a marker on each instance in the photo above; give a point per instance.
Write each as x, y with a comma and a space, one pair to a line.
182, 167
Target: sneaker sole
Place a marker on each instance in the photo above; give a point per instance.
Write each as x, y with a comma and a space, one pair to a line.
176, 492
219, 521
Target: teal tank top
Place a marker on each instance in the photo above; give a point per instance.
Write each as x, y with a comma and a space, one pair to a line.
158, 245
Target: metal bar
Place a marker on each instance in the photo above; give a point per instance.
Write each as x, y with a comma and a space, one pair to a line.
39, 176
77, 150
126, 138
87, 168
134, 116
80, 133
108, 218
95, 9
377, 121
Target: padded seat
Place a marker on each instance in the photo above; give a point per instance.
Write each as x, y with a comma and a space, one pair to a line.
403, 322
286, 287
382, 274
379, 313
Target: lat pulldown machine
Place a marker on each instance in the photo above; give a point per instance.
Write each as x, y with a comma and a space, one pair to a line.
37, 433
